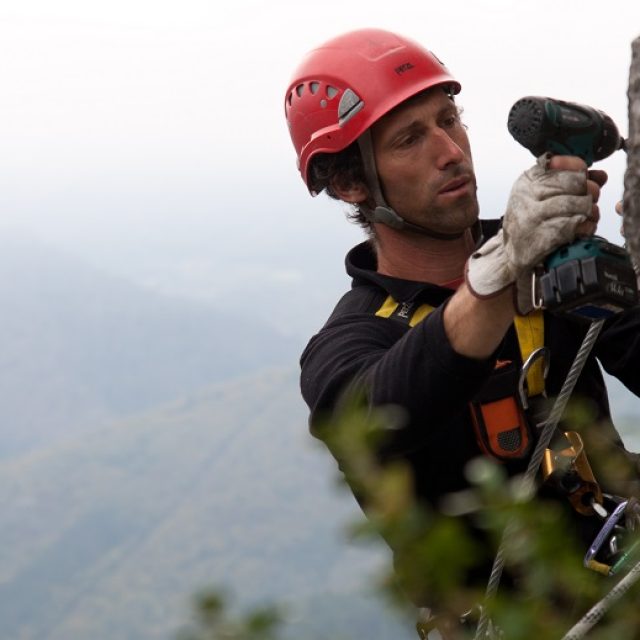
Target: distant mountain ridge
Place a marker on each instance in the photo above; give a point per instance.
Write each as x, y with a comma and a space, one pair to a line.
107, 537
82, 347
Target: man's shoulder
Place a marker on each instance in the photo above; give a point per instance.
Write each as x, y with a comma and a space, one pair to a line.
366, 298
355, 316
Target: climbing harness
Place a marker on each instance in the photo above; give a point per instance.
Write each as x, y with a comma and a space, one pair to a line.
502, 429
504, 432
608, 542
528, 479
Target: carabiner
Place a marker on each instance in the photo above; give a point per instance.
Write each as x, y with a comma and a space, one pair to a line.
603, 536
541, 352
537, 301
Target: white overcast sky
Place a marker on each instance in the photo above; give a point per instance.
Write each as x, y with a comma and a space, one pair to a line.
151, 135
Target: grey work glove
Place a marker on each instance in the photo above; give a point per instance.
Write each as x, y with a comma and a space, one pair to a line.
544, 209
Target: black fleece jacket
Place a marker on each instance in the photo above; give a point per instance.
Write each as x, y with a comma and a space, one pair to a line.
417, 369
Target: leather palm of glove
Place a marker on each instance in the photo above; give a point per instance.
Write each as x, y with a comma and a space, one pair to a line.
524, 294
544, 209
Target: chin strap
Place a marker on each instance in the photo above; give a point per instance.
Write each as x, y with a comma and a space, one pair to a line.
383, 213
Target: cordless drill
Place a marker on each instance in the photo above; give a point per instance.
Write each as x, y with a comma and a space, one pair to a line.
591, 278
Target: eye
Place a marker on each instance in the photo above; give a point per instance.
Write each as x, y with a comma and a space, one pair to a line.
410, 137
408, 140
451, 119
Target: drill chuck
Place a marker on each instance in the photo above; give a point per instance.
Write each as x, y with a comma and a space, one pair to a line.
563, 128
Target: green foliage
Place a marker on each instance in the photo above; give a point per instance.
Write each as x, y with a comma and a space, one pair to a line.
214, 622
546, 589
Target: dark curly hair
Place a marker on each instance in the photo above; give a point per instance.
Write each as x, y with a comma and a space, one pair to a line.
344, 168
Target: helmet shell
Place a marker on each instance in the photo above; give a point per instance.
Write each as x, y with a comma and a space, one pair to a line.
342, 87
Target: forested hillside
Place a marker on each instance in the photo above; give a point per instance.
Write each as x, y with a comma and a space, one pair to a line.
81, 348
108, 536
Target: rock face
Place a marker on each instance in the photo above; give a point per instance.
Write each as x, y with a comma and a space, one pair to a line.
632, 175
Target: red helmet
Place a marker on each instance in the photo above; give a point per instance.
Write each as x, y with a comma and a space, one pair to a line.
345, 85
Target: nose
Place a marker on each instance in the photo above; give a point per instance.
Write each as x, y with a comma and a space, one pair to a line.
446, 149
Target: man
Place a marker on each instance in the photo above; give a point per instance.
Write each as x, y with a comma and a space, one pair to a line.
428, 324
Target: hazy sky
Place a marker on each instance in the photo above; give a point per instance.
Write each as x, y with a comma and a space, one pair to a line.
149, 136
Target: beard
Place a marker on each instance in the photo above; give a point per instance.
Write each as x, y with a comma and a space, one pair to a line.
444, 213
447, 204
452, 218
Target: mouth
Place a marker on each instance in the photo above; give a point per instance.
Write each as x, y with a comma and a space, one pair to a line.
457, 186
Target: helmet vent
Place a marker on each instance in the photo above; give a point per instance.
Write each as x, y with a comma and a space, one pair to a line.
300, 90
350, 104
314, 86
332, 92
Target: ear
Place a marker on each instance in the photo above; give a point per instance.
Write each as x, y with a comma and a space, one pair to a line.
351, 192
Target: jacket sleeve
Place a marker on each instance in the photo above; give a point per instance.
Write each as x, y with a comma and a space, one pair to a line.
416, 368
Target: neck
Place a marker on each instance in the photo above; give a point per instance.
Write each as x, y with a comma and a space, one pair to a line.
412, 256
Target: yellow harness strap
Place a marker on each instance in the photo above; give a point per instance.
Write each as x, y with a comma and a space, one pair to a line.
404, 311
530, 331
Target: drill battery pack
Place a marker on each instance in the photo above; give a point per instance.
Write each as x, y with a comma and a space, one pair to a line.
589, 279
